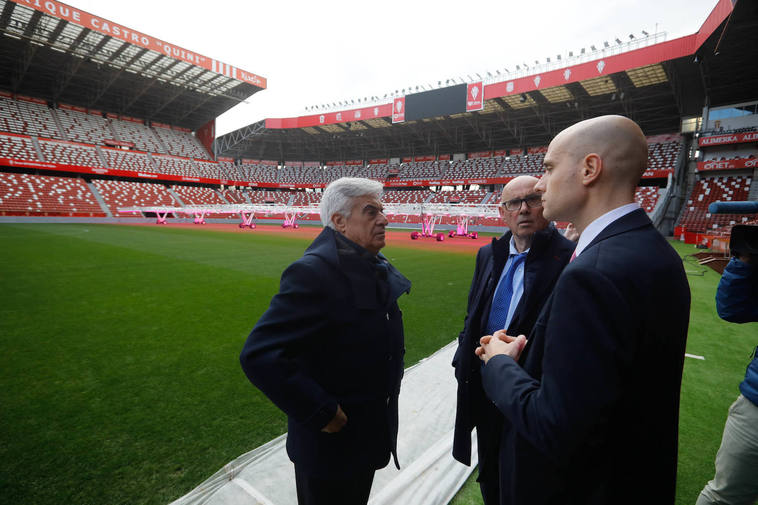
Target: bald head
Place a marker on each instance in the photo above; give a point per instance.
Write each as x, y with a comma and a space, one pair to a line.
617, 140
591, 168
523, 184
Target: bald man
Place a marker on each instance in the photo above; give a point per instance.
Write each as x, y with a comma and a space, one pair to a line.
592, 402
513, 278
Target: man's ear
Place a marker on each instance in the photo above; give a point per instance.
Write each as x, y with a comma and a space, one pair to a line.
339, 222
592, 168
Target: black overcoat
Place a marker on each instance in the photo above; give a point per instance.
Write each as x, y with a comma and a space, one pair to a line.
329, 338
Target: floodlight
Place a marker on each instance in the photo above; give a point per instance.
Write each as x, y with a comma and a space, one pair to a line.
522, 99
558, 56
645, 33
606, 44
548, 59
593, 48
631, 36
618, 41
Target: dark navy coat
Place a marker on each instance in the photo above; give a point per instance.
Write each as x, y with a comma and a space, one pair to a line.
593, 405
549, 253
328, 338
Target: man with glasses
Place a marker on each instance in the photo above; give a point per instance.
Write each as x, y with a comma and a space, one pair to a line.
513, 277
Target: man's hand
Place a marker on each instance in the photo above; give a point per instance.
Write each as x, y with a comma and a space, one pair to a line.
500, 343
571, 232
337, 423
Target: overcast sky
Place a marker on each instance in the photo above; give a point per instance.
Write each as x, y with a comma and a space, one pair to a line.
316, 52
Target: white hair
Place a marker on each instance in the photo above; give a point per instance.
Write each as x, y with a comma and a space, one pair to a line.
339, 195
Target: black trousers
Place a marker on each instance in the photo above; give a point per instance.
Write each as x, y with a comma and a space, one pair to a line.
352, 489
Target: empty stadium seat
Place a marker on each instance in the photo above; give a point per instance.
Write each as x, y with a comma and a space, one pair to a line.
181, 143
69, 153
16, 147
133, 194
695, 215
46, 195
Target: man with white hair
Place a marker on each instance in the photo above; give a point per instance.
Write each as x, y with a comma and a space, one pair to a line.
329, 349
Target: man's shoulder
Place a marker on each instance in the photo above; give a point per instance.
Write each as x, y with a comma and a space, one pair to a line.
638, 251
550, 241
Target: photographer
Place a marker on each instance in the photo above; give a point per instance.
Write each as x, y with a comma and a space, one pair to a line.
736, 479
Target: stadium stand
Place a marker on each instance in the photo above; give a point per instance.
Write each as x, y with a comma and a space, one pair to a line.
181, 143
415, 196
233, 197
522, 164
127, 160
306, 198
166, 164
26, 194
143, 137
132, 194
83, 127
70, 153
18, 147
695, 215
263, 196
259, 173
420, 170
27, 118
647, 197
194, 195
662, 151
208, 169
474, 168
470, 197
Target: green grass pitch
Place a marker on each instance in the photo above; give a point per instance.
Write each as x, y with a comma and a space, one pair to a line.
119, 373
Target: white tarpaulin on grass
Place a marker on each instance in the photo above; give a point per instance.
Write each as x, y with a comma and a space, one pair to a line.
428, 476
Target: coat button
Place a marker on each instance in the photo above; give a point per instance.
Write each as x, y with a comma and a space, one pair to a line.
388, 316
389, 357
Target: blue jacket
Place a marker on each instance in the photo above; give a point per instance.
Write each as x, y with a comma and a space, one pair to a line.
333, 335
737, 302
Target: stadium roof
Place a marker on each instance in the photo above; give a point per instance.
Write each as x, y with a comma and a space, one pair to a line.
656, 83
53, 51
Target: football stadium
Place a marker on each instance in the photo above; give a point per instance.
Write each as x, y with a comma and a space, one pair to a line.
139, 248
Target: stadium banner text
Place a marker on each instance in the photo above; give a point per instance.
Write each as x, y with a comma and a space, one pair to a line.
735, 138
117, 31
727, 164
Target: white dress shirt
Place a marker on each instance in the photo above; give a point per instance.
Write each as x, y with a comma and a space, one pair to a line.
600, 224
518, 280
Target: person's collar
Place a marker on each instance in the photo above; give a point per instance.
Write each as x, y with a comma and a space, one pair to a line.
600, 223
512, 248
347, 246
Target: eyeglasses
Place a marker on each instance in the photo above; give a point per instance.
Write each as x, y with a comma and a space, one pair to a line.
532, 201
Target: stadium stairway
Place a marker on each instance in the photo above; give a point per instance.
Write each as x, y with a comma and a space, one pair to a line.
99, 199
753, 195
428, 476
173, 193
37, 148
